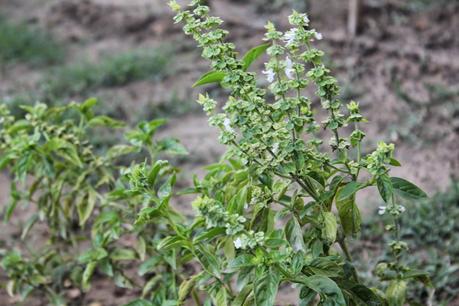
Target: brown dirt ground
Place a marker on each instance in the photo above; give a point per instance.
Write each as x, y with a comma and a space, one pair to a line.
395, 49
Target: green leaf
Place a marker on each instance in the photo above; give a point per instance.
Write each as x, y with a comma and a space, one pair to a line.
122, 281
28, 226
253, 54
87, 105
123, 254
327, 288
209, 261
242, 261
171, 242
330, 227
149, 265
221, 298
385, 188
395, 163
349, 216
105, 121
210, 77
172, 146
241, 298
396, 293
87, 275
94, 254
420, 276
349, 190
86, 206
266, 286
120, 150
185, 288
209, 234
294, 234
139, 302
407, 189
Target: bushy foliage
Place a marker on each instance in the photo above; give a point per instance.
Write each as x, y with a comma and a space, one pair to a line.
428, 227
20, 42
81, 196
116, 70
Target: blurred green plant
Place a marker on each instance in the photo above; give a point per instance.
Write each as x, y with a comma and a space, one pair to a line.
429, 227
86, 201
118, 70
23, 43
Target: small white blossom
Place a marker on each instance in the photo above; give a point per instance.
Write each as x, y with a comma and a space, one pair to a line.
238, 243
306, 19
290, 36
227, 125
269, 75
275, 148
289, 71
382, 210
318, 35
401, 208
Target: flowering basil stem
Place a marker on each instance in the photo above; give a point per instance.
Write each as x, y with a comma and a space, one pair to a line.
280, 206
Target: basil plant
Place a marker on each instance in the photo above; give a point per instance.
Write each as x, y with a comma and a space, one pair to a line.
279, 208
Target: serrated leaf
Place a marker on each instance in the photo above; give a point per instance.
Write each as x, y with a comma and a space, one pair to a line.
210, 77
253, 54
407, 189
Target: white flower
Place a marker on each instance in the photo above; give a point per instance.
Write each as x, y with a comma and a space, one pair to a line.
318, 35
382, 210
238, 243
227, 125
401, 209
305, 18
275, 147
290, 36
289, 71
269, 75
